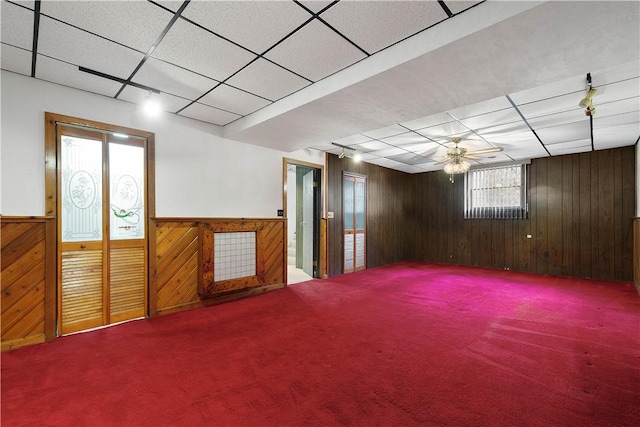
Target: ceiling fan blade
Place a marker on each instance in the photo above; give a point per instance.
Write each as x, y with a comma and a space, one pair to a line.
446, 159
486, 151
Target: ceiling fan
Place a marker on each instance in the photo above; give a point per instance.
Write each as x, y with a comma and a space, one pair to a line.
455, 158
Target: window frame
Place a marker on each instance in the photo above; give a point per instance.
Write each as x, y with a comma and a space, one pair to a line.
497, 212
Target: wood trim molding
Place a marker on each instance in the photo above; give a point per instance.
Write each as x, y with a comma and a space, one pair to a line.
270, 268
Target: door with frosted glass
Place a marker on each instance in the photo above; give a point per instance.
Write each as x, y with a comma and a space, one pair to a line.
102, 236
354, 208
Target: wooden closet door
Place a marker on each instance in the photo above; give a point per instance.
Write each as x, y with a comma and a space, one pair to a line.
102, 233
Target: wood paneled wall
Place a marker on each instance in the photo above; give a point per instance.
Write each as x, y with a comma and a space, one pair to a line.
580, 218
581, 208
389, 210
636, 252
28, 280
174, 254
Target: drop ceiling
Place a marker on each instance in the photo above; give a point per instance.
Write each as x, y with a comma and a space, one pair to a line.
393, 80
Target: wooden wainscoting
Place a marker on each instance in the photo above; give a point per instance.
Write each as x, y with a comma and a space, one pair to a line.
28, 280
175, 251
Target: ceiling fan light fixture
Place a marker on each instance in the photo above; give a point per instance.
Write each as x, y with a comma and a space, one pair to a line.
457, 167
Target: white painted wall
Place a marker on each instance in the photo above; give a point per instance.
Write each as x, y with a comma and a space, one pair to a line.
198, 173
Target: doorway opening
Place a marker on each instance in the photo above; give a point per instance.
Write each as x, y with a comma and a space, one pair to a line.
302, 211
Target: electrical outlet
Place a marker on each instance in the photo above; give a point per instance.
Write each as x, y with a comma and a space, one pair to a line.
280, 212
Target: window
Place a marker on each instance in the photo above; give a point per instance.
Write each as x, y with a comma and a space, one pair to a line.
496, 192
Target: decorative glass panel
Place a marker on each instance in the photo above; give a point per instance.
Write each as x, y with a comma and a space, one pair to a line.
81, 189
126, 176
234, 255
348, 252
348, 204
359, 250
360, 200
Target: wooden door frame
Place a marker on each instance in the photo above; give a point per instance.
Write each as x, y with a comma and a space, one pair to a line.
322, 223
363, 177
51, 189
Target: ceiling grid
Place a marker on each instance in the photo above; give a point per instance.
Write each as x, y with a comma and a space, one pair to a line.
310, 73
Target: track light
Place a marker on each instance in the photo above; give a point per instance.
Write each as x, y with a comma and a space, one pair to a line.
350, 153
587, 101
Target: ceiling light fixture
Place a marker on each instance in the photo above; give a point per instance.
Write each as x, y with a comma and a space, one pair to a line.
350, 153
151, 106
587, 101
457, 166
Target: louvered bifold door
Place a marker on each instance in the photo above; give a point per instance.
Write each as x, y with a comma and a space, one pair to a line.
82, 245
127, 255
102, 237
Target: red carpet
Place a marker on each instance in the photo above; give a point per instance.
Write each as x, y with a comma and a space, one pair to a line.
406, 344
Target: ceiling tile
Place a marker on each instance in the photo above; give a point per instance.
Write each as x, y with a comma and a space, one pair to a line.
427, 149
616, 136
575, 85
446, 130
484, 107
316, 5
511, 139
168, 103
457, 6
267, 80
80, 48
195, 49
387, 163
404, 139
618, 107
17, 26
172, 5
208, 114
492, 132
495, 118
256, 25
365, 157
354, 139
616, 73
600, 122
315, 51
391, 151
578, 146
136, 24
385, 132
557, 119
371, 146
66, 74
411, 158
25, 3
618, 90
16, 60
424, 122
173, 80
565, 132
234, 100
376, 25
558, 104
